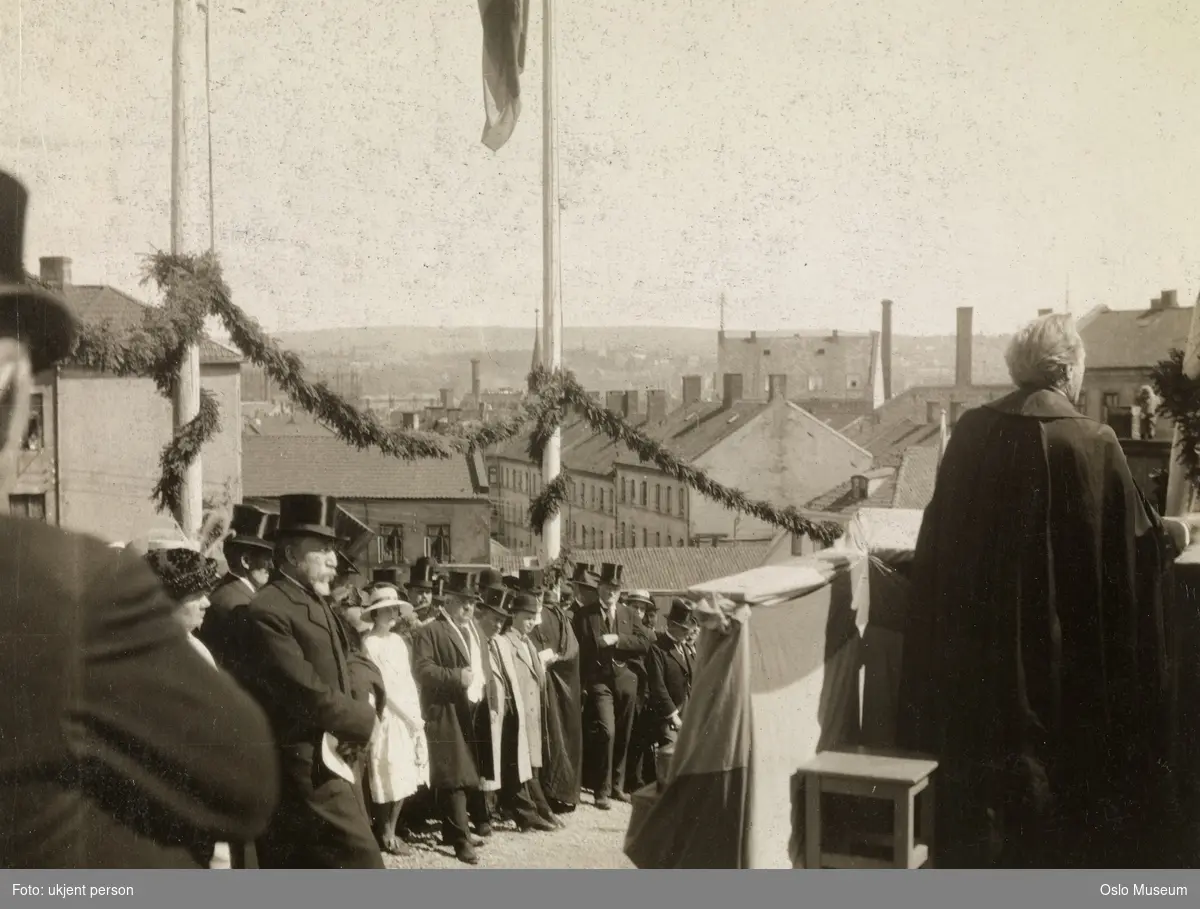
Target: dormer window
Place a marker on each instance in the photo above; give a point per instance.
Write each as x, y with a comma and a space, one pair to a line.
858, 487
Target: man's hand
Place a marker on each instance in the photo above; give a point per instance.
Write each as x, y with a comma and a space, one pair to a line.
548, 656
675, 722
609, 640
467, 678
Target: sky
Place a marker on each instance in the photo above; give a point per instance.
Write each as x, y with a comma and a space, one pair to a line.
805, 158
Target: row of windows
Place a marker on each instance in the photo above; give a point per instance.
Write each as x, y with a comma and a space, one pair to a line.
666, 498
390, 543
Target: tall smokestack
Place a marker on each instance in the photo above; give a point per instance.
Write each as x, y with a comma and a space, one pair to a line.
656, 405
475, 378
55, 271
445, 397
962, 360
885, 349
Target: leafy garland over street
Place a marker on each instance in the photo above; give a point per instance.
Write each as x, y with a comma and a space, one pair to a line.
194, 289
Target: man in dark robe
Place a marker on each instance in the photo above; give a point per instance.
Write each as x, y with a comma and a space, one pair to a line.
563, 716
1035, 657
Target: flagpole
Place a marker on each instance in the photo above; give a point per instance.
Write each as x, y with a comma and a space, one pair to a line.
186, 399
551, 325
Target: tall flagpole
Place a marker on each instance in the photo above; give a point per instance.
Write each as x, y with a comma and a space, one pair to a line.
186, 399
551, 326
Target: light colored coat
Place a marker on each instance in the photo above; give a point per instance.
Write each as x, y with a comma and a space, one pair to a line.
531, 694
501, 646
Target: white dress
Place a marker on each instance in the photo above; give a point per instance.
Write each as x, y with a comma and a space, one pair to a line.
399, 761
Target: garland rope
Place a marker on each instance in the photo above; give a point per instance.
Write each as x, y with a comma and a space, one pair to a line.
1179, 399
194, 289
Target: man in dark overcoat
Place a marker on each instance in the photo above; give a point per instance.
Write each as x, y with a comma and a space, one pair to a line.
562, 763
611, 637
1035, 657
669, 675
304, 681
447, 657
120, 746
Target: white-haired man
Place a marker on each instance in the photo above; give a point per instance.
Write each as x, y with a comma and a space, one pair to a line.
1035, 660
122, 746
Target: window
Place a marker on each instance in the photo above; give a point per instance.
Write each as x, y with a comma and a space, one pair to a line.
658, 497
669, 491
437, 542
390, 544
816, 383
33, 432
623, 490
931, 412
955, 411
679, 545
853, 382
593, 495
681, 501
28, 507
1109, 402
658, 539
632, 537
643, 493
610, 541
645, 538
622, 537
668, 539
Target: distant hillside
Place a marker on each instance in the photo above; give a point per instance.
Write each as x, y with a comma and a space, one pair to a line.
418, 361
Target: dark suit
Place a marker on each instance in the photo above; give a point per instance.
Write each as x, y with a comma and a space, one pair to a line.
222, 633
611, 687
455, 728
120, 747
303, 679
669, 674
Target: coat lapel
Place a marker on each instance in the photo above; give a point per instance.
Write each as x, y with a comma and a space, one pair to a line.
457, 637
318, 616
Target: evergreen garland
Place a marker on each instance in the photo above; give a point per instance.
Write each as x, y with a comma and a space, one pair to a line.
194, 289
1179, 399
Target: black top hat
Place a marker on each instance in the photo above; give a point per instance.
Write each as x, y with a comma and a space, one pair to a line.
353, 536
388, 576
497, 600
422, 574
307, 515
531, 580
524, 602
462, 584
681, 613
584, 575
611, 574
184, 572
490, 579
253, 527
39, 319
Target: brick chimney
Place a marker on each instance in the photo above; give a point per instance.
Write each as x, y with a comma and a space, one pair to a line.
962, 359
885, 349
445, 396
693, 389
731, 391
475, 378
633, 402
1044, 312
55, 271
411, 421
1168, 300
614, 401
656, 405
776, 387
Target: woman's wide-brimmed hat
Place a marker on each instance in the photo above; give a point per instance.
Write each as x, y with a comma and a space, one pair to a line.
184, 572
39, 319
387, 598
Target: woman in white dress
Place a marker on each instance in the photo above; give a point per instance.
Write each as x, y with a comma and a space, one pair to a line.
399, 755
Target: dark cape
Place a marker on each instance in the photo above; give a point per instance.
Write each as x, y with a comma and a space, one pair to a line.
1036, 654
562, 757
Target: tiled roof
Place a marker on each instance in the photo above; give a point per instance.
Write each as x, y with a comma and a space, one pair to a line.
842, 500
664, 569
889, 444
1134, 338
691, 430
96, 304
916, 477
274, 465
597, 454
286, 425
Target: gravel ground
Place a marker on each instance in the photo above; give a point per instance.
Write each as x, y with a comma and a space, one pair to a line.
593, 839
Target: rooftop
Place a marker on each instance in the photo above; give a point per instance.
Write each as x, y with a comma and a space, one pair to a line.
691, 430
843, 500
296, 424
99, 303
916, 478
893, 439
275, 465
1133, 338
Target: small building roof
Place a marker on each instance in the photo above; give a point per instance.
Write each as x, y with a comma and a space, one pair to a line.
1134, 338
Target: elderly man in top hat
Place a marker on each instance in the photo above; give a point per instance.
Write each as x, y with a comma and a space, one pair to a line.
449, 666
669, 675
109, 757
422, 586
303, 680
559, 651
639, 764
612, 640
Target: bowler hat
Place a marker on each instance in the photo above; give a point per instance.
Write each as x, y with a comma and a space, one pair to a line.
498, 600
640, 596
253, 526
523, 602
611, 574
584, 575
422, 574
39, 319
387, 576
681, 613
306, 514
490, 579
531, 580
461, 584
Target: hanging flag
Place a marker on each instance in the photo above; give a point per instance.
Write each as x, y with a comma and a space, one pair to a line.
505, 26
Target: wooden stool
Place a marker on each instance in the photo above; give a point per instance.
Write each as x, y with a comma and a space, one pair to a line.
874, 775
